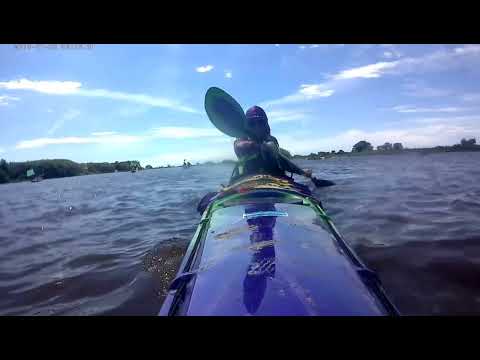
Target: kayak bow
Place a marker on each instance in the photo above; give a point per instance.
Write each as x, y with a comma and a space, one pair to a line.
265, 246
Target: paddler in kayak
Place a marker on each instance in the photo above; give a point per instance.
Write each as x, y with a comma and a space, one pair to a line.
259, 153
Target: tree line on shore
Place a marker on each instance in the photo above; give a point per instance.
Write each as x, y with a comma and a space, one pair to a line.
364, 147
56, 168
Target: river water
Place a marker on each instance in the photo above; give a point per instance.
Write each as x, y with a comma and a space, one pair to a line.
110, 244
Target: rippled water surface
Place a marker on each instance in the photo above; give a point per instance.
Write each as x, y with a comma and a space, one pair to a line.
110, 244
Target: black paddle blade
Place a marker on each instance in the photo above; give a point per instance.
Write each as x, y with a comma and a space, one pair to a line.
321, 182
225, 112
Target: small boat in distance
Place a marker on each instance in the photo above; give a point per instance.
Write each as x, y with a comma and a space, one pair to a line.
30, 173
186, 164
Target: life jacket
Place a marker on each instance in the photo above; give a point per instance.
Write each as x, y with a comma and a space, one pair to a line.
251, 161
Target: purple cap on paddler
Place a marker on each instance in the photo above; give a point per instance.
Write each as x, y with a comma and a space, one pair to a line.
256, 114
257, 123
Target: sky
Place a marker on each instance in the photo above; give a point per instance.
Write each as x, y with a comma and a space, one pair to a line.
146, 102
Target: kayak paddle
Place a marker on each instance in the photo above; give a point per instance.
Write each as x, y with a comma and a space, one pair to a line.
225, 113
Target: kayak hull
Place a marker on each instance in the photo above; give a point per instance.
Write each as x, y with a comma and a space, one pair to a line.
272, 252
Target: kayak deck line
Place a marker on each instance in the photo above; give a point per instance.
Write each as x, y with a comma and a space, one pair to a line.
264, 213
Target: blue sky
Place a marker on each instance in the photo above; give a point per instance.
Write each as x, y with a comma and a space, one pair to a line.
145, 102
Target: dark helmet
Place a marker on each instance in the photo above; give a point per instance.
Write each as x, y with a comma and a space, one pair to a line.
257, 122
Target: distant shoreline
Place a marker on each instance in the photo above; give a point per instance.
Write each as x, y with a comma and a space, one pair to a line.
322, 156
14, 172
325, 156
39, 170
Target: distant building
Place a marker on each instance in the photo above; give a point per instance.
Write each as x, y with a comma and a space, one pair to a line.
397, 146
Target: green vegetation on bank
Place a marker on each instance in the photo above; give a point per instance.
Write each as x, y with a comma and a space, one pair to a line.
57, 168
365, 148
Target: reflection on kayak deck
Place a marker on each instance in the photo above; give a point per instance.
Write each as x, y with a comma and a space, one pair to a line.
262, 264
265, 258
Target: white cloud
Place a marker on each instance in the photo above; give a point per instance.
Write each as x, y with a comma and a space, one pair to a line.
366, 72
314, 46
111, 137
204, 69
467, 49
279, 116
41, 142
5, 100
465, 120
222, 140
228, 74
427, 135
314, 90
46, 87
440, 60
413, 109
436, 61
277, 45
471, 97
49, 111
302, 47
304, 93
131, 111
104, 133
172, 132
69, 115
137, 98
74, 88
392, 51
2, 150
56, 125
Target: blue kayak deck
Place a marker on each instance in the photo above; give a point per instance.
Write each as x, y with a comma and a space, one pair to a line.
275, 260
